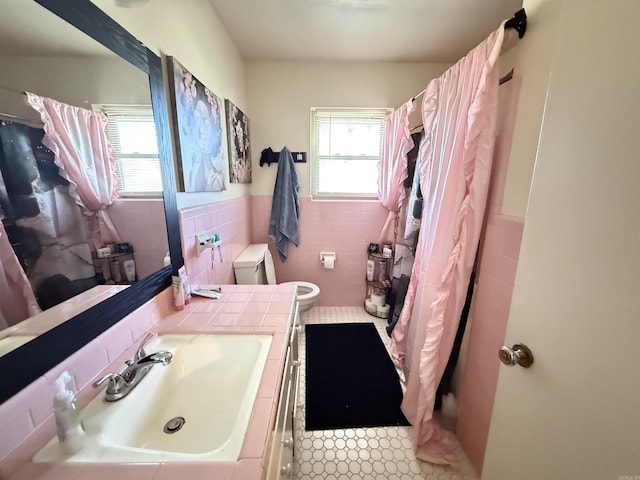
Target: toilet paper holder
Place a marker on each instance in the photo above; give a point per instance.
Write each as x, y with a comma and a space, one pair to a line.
326, 255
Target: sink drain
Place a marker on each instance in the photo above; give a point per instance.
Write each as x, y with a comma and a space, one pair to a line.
174, 425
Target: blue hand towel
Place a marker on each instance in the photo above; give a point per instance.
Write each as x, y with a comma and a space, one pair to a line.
285, 207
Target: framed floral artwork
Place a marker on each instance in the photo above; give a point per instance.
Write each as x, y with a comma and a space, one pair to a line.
239, 146
197, 121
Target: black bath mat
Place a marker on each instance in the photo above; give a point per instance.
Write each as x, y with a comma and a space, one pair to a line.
350, 380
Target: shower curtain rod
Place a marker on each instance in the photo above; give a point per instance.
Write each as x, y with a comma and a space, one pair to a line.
508, 76
518, 22
21, 92
14, 118
25, 121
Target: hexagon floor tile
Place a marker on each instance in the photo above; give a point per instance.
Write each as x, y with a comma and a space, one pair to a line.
383, 453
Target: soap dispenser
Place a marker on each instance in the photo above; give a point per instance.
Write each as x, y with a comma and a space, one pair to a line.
68, 425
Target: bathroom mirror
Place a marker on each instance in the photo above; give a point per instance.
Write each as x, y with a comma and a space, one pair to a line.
25, 364
47, 230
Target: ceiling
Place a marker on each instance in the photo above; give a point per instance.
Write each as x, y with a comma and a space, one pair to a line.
361, 30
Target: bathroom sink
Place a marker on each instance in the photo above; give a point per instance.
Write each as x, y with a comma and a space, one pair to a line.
7, 344
197, 408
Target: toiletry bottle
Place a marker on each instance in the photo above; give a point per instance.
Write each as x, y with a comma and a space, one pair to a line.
116, 273
130, 270
186, 286
178, 292
68, 425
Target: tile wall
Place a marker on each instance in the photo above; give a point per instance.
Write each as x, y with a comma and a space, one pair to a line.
232, 220
344, 227
500, 249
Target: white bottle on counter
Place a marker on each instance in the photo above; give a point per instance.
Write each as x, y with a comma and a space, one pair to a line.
68, 425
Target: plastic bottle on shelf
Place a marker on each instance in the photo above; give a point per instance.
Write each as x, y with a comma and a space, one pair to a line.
383, 271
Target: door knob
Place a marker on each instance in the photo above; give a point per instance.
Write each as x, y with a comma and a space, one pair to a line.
518, 355
288, 443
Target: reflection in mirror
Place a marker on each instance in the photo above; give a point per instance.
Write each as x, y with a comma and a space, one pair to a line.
68, 267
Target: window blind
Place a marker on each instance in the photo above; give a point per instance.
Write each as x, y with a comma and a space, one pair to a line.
345, 149
132, 133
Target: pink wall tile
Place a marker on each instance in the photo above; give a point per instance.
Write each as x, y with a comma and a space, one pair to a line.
218, 471
83, 365
490, 310
121, 472
248, 469
47, 471
256, 436
232, 220
344, 227
22, 413
270, 379
20, 426
116, 340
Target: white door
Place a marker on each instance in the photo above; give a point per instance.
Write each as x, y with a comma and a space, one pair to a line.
575, 414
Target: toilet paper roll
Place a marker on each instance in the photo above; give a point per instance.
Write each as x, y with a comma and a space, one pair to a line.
329, 262
383, 310
377, 299
371, 307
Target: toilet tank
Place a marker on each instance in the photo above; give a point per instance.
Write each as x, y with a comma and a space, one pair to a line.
249, 265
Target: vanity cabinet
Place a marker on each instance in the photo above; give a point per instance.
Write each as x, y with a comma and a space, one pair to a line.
282, 446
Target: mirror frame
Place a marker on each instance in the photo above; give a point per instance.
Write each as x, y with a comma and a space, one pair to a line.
29, 362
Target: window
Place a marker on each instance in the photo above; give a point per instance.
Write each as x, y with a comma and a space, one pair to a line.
132, 133
345, 150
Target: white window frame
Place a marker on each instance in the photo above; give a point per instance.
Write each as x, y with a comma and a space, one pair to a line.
317, 112
124, 111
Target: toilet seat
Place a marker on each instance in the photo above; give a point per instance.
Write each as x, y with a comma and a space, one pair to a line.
269, 269
310, 290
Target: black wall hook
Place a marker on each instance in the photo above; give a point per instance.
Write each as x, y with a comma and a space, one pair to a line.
518, 22
268, 156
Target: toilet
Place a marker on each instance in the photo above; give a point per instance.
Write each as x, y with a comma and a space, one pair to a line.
254, 266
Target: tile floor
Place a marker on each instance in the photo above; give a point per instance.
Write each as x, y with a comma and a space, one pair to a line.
384, 453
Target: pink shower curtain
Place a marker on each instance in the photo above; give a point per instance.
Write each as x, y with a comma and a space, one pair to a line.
17, 299
392, 167
459, 114
85, 157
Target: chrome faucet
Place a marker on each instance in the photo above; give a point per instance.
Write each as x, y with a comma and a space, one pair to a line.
120, 384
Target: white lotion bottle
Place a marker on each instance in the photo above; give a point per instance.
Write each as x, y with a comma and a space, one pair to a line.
130, 270
68, 425
370, 269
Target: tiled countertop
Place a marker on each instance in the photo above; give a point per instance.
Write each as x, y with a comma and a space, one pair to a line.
246, 309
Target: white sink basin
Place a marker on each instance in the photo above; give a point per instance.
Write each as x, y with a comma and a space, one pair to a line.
212, 383
7, 344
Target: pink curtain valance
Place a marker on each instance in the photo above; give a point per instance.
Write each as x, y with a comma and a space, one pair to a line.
83, 154
392, 167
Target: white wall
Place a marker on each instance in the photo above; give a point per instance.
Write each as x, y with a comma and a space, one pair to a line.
531, 62
280, 95
78, 81
191, 31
